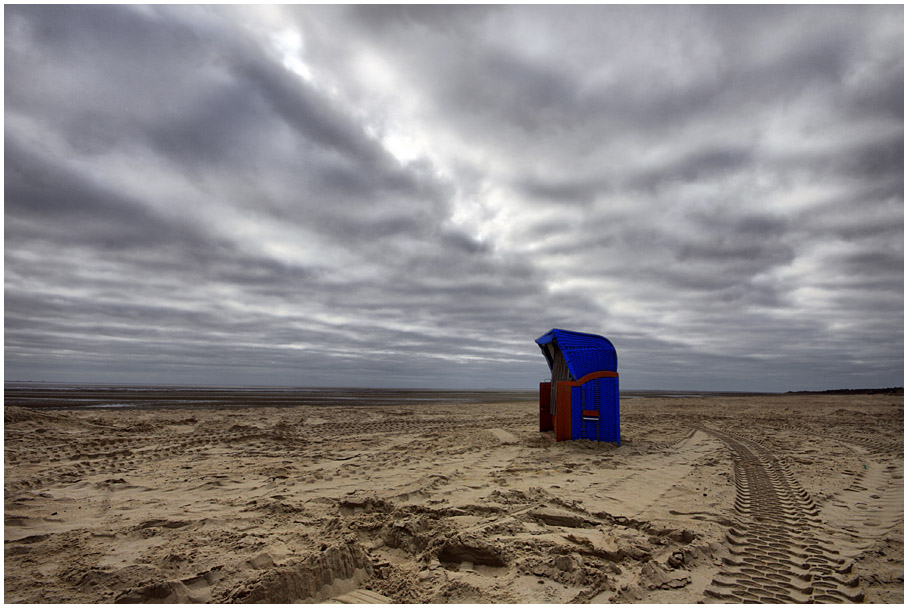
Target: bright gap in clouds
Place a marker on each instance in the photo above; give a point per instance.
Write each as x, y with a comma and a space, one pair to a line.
289, 45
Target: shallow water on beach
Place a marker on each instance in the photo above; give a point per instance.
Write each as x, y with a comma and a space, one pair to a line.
56, 396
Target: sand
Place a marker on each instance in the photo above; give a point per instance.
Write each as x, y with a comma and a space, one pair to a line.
723, 499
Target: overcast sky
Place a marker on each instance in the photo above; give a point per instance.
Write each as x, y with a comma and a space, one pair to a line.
409, 196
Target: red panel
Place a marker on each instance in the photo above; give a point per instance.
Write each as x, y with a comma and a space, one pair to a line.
563, 412
545, 398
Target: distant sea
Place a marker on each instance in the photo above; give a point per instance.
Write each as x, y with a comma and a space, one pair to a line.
49, 395
62, 396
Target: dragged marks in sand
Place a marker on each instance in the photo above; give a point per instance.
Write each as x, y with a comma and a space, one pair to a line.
866, 521
862, 432
334, 570
67, 458
543, 544
869, 508
632, 492
778, 547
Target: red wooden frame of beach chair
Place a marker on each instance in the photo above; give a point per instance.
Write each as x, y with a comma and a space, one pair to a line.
561, 421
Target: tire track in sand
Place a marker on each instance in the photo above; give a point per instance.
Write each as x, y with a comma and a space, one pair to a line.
778, 554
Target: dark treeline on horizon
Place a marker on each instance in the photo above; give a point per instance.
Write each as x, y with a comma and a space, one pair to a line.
895, 390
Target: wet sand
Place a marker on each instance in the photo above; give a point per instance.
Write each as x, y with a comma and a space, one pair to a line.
720, 499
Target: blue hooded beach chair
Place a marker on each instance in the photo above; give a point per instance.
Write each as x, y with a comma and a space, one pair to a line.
581, 401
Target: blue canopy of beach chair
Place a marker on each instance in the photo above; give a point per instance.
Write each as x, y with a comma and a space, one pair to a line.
584, 353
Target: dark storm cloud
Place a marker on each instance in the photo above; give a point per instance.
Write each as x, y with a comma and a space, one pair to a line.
220, 129
310, 114
409, 195
878, 159
117, 70
68, 207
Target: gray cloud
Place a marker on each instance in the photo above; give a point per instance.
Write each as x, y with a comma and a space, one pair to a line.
408, 196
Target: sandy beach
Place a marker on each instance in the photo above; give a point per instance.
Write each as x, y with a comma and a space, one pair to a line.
719, 499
